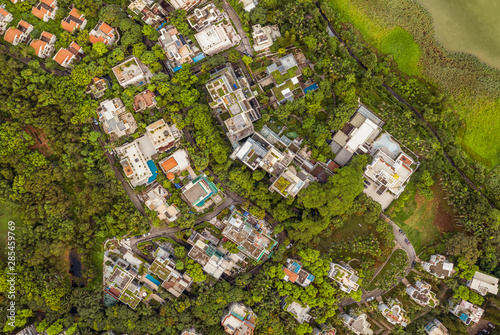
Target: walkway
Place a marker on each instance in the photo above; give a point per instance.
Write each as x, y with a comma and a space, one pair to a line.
333, 32
245, 46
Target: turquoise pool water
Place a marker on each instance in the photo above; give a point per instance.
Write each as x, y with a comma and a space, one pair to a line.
153, 280
311, 88
386, 142
154, 171
198, 58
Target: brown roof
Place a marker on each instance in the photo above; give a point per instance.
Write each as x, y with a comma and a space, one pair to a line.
11, 34
94, 39
24, 24
333, 166
106, 28
169, 164
291, 275
63, 55
3, 12
37, 45
39, 12
75, 46
70, 22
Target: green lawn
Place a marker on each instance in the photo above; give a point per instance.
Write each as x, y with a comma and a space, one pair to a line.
278, 90
353, 227
482, 130
7, 213
388, 39
423, 220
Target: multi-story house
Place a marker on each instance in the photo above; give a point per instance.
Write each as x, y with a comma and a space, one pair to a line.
45, 10
239, 320
66, 57
5, 19
295, 273
74, 21
21, 34
130, 72
394, 313
439, 267
345, 276
104, 33
483, 284
421, 293
44, 47
358, 324
465, 311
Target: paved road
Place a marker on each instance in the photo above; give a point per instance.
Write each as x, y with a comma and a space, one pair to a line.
333, 32
400, 238
245, 46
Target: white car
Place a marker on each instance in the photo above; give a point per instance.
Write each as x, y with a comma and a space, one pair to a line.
146, 235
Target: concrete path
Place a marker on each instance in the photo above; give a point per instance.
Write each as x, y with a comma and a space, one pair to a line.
400, 239
245, 46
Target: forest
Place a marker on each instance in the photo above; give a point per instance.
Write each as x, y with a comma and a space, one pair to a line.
68, 199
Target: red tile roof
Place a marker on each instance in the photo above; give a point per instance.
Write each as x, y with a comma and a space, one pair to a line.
63, 55
291, 275
11, 34
24, 24
47, 35
3, 12
94, 39
71, 25
37, 45
106, 28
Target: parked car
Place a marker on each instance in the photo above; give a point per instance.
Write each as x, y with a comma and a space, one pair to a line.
413, 264
289, 246
486, 331
146, 235
127, 239
370, 299
136, 237
491, 325
402, 231
407, 241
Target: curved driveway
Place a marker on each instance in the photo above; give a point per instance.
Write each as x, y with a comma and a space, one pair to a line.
245, 46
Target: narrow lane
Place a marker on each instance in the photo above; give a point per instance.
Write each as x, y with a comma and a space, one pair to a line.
245, 46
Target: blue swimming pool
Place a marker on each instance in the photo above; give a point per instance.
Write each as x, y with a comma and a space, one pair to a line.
311, 88
150, 277
154, 171
198, 58
386, 142
175, 69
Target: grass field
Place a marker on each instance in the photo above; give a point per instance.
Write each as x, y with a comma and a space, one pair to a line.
389, 40
424, 220
470, 26
7, 214
481, 131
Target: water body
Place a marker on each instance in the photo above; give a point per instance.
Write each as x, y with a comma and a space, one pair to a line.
471, 26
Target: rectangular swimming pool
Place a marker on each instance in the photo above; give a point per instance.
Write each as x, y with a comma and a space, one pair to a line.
153, 280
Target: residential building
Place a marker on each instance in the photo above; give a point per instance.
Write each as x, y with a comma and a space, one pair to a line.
239, 320
345, 276
483, 284
104, 33
114, 118
359, 324
234, 94
45, 10
215, 261
421, 293
134, 164
435, 327
190, 331
204, 17
248, 5
264, 37
44, 46
130, 279
296, 274
466, 311
172, 280
160, 135
130, 72
97, 87
439, 267
5, 19
67, 56
175, 164
274, 153
187, 5
152, 14
394, 313
155, 199
299, 311
353, 139
199, 191
240, 229
177, 48
74, 21
144, 100
324, 329
21, 34
16, 1
217, 38
285, 73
